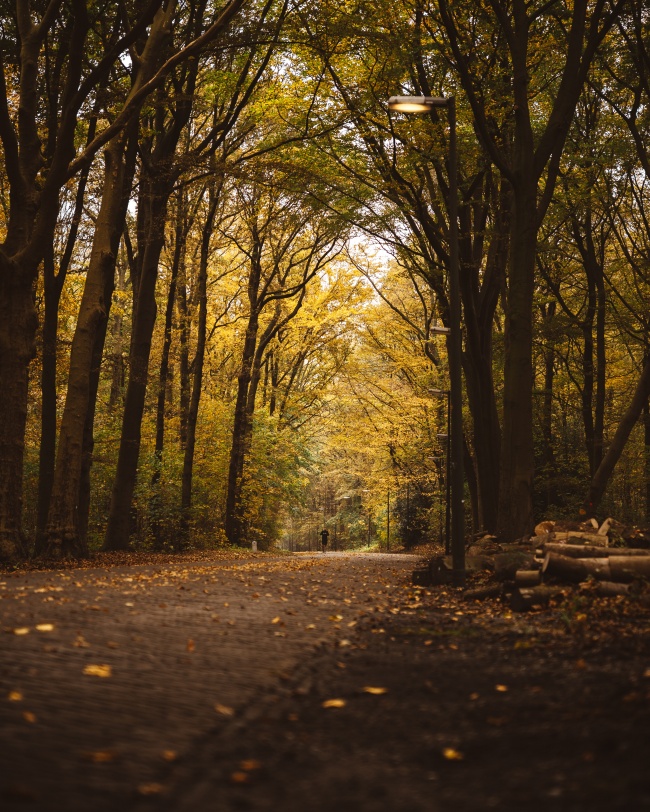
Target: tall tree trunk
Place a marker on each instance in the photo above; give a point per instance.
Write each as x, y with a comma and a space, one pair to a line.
184, 354
517, 456
52, 287
646, 467
62, 536
625, 426
155, 199
550, 495
179, 244
163, 378
18, 324
601, 371
197, 366
88, 447
118, 369
234, 519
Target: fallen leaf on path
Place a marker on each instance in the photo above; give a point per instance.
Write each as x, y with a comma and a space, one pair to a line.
501, 688
100, 756
369, 689
336, 618
45, 627
224, 710
344, 643
150, 789
239, 777
169, 755
275, 620
250, 764
98, 671
30, 717
190, 644
334, 703
21, 630
15, 696
452, 755
81, 642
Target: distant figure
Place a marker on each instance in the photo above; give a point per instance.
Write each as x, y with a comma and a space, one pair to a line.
324, 535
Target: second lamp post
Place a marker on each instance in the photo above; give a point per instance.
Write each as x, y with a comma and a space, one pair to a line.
424, 104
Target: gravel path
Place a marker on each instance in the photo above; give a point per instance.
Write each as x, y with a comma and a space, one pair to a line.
314, 683
108, 678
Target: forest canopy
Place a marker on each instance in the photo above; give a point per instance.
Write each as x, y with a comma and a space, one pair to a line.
225, 266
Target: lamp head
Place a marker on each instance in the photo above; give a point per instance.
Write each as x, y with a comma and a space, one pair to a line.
415, 104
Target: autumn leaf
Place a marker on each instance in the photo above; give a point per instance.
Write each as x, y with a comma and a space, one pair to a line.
21, 630
336, 618
150, 789
501, 688
452, 755
250, 764
15, 696
100, 756
333, 703
224, 710
45, 627
190, 644
98, 670
369, 689
275, 620
239, 777
169, 755
30, 717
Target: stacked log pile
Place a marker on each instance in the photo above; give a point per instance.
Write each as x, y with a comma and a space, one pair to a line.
540, 569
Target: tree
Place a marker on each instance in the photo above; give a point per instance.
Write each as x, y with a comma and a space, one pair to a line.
530, 37
286, 241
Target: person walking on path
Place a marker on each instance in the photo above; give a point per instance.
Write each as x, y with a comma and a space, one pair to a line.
324, 536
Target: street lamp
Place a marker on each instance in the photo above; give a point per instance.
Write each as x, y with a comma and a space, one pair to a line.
424, 104
446, 393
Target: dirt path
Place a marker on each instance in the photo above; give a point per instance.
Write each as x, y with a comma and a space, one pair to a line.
217, 676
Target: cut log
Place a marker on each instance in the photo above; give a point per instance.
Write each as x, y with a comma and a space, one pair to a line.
626, 568
575, 570
528, 597
590, 550
543, 528
506, 564
604, 527
580, 537
483, 592
528, 577
609, 589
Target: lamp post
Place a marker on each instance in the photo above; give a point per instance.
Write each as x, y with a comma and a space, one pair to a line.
446, 393
424, 104
388, 520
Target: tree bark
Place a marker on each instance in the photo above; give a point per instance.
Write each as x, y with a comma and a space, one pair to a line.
605, 469
517, 455
18, 323
646, 455
234, 520
62, 536
197, 366
154, 196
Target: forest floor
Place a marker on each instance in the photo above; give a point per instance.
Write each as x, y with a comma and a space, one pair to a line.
316, 682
